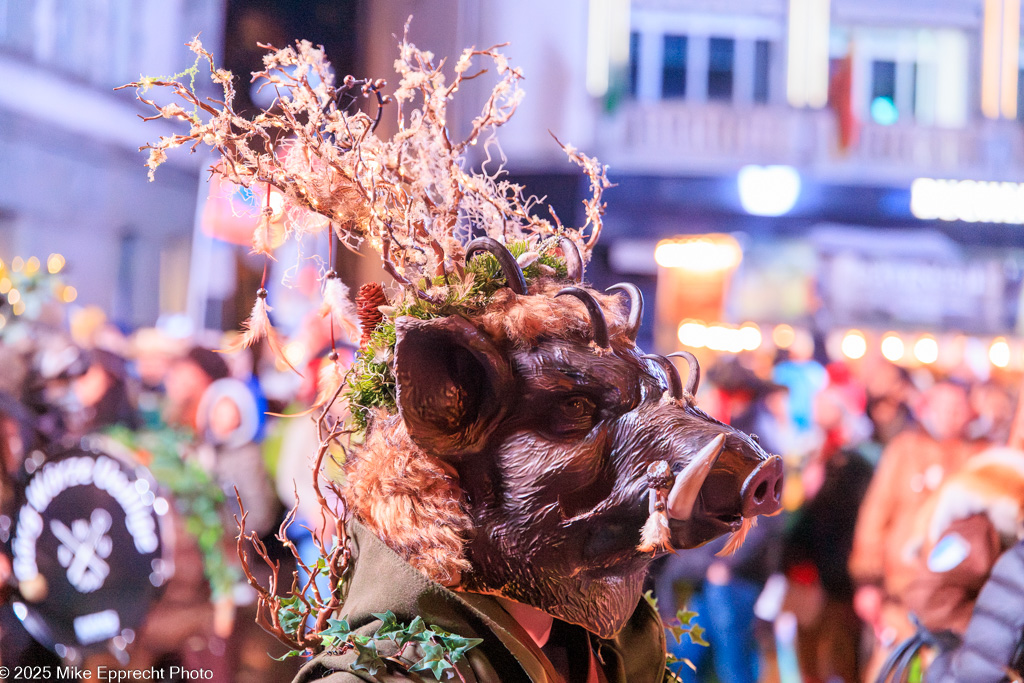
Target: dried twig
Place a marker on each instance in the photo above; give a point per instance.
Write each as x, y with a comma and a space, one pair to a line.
399, 194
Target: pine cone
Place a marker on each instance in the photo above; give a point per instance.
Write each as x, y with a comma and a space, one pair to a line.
370, 296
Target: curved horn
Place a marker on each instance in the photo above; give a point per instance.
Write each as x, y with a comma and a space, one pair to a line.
573, 260
693, 381
509, 268
675, 385
597, 322
636, 307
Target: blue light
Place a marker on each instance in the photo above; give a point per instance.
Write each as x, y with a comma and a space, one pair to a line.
883, 111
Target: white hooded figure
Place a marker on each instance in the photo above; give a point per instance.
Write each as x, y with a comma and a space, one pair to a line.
228, 422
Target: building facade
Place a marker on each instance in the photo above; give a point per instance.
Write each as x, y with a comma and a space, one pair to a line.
73, 180
854, 148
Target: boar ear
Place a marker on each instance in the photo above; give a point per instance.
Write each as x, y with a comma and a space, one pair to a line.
452, 382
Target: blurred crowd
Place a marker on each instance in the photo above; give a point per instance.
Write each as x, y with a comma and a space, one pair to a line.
820, 593
901, 495
241, 419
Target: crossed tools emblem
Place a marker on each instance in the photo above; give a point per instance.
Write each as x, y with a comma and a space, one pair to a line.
83, 550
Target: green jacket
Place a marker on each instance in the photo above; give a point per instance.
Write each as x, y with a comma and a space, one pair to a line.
381, 581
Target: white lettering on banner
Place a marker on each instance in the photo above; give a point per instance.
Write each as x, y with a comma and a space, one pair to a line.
57, 477
971, 201
30, 526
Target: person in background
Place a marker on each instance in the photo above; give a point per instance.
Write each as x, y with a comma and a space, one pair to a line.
227, 421
820, 535
890, 393
804, 377
186, 381
153, 353
753, 405
912, 467
104, 398
994, 409
724, 590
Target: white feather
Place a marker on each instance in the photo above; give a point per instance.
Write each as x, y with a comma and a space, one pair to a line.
337, 303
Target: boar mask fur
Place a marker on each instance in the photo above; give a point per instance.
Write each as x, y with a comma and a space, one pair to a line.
516, 463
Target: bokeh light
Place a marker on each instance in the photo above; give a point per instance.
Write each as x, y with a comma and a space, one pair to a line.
854, 344
54, 263
926, 350
783, 336
893, 347
693, 334
999, 352
750, 337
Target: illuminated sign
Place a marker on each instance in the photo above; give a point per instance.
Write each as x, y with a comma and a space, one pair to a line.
704, 254
768, 190
972, 201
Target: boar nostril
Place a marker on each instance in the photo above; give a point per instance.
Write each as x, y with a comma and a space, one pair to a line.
760, 492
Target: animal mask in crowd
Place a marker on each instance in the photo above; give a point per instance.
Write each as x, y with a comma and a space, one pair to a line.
509, 436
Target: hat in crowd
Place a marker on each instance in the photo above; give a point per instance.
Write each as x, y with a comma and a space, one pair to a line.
732, 376
209, 362
156, 341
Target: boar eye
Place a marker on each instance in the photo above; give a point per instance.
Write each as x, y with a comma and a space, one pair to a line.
573, 414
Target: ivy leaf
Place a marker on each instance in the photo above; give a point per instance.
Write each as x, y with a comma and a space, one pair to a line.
651, 600
433, 660
696, 634
290, 618
685, 616
389, 628
416, 626
677, 632
457, 646
337, 631
368, 660
671, 660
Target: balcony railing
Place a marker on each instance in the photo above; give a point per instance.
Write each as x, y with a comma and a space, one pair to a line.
709, 138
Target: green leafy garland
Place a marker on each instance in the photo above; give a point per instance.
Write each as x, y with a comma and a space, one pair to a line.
371, 383
435, 649
194, 494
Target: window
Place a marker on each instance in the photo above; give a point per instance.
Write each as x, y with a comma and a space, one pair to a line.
721, 56
883, 92
762, 58
634, 61
673, 72
1020, 95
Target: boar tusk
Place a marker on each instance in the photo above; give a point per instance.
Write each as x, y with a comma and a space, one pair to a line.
509, 268
598, 324
689, 481
675, 385
636, 307
573, 260
693, 381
